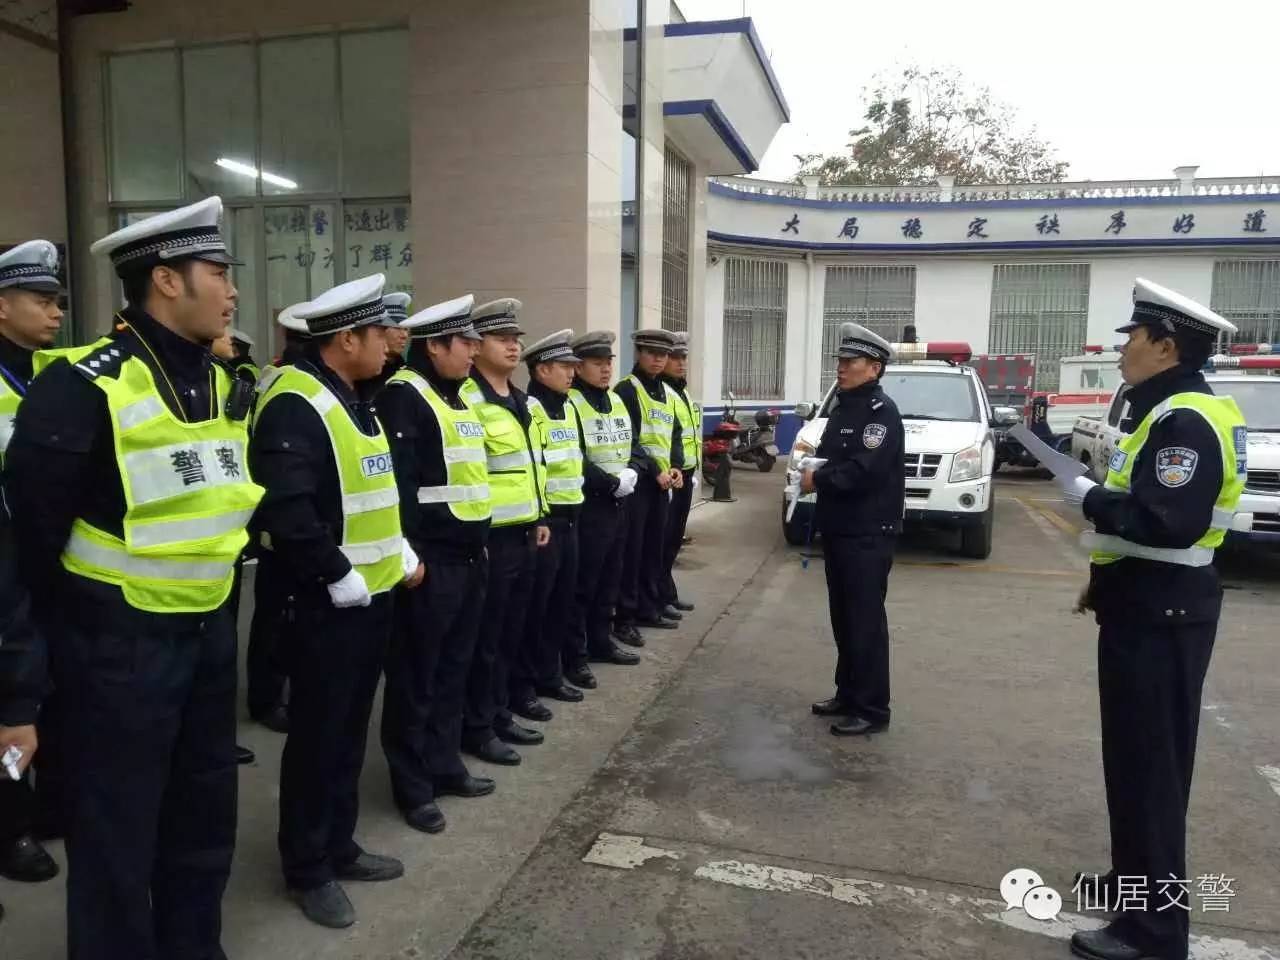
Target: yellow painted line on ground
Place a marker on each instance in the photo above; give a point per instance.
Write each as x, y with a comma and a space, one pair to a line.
985, 568
1064, 525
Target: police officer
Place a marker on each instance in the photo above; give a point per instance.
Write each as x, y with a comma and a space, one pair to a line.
130, 493
29, 320
1170, 492
552, 364
437, 444
612, 460
331, 512
22, 662
397, 304
859, 514
517, 494
689, 417
653, 422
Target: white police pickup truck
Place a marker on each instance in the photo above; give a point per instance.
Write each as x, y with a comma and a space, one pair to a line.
950, 447
1094, 439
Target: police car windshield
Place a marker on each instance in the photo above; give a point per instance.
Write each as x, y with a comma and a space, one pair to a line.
932, 396
1259, 402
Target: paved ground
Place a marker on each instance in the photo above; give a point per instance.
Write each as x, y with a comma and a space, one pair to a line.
693, 808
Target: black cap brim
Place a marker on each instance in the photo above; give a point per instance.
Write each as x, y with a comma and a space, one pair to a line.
36, 286
217, 256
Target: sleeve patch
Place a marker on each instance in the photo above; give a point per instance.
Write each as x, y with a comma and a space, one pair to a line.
1175, 466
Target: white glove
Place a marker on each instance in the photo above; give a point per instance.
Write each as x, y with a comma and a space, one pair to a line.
1075, 489
697, 482
408, 559
626, 483
350, 591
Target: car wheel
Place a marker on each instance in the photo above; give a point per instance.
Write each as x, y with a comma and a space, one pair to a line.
975, 541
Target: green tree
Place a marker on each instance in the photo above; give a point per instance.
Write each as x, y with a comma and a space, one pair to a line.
922, 124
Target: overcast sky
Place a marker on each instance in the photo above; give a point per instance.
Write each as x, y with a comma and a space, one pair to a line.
1124, 89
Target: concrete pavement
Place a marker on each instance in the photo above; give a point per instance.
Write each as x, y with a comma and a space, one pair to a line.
693, 807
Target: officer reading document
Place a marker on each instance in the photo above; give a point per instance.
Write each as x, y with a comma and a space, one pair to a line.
859, 514
1171, 489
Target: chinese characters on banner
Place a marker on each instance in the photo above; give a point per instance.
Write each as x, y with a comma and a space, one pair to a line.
379, 239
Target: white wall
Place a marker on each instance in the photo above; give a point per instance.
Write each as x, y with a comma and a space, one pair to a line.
953, 300
1111, 287
709, 355
797, 342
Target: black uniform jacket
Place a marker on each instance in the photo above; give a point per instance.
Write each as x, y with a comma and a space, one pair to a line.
862, 485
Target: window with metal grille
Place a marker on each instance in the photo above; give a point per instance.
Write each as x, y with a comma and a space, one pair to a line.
1041, 309
755, 328
1247, 292
677, 191
880, 298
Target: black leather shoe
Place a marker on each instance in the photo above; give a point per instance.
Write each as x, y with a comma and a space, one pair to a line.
465, 786
623, 658
628, 634
1106, 944
857, 726
370, 868
521, 736
671, 613
682, 605
326, 905
581, 677
564, 693
494, 751
426, 818
835, 707
532, 709
277, 719
655, 623
25, 860
244, 755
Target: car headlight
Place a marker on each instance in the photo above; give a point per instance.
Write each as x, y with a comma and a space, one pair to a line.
967, 465
801, 449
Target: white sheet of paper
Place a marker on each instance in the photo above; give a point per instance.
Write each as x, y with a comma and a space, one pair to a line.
793, 490
1059, 464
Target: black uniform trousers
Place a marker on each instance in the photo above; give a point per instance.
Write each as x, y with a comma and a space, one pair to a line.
602, 538
857, 581
336, 658
150, 801
509, 586
432, 644
639, 595
549, 619
266, 662
677, 519
1150, 678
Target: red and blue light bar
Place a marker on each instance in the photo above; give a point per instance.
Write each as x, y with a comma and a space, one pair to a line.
950, 351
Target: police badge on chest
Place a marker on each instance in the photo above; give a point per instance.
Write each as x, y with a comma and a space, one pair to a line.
873, 435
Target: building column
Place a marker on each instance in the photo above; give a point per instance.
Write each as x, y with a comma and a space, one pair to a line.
516, 111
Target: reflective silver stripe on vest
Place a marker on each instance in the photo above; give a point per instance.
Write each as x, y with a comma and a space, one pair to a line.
656, 450
6, 432
365, 554
1223, 519
509, 461
323, 402
464, 455
140, 411
613, 467
183, 467
561, 455
117, 561
1186, 557
197, 528
372, 500
454, 493
514, 510
268, 377
561, 484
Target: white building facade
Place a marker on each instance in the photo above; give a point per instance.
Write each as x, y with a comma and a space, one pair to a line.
1041, 269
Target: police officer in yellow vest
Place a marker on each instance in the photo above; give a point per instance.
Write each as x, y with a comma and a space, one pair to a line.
1170, 492
517, 493
689, 415
129, 482
437, 443
552, 364
331, 515
610, 469
653, 421
29, 321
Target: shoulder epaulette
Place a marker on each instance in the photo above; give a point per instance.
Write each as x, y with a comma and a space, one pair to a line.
104, 360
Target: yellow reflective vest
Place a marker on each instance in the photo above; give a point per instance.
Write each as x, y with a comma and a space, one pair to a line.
466, 487
657, 423
371, 537
187, 491
607, 436
517, 476
1228, 424
561, 452
689, 416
